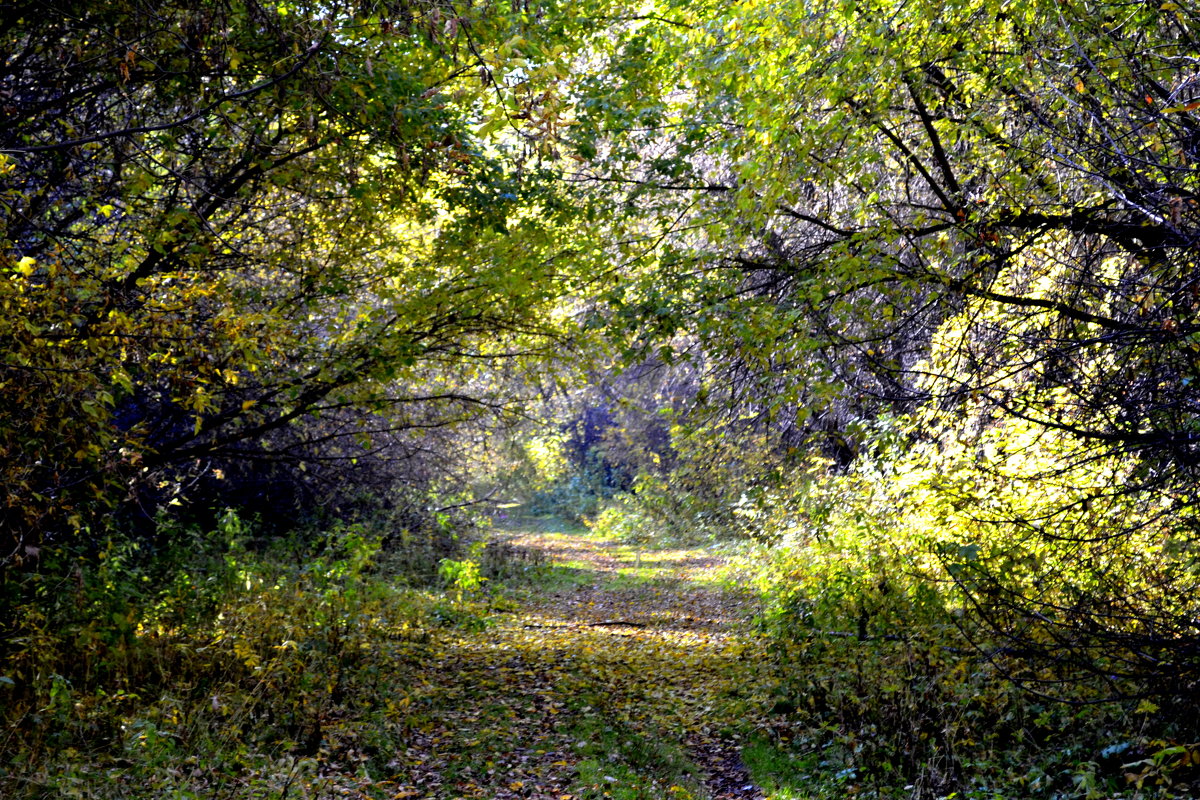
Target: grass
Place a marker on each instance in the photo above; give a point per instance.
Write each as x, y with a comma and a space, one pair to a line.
575, 670
620, 762
784, 775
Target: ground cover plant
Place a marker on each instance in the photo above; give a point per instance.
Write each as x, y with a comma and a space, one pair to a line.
558, 662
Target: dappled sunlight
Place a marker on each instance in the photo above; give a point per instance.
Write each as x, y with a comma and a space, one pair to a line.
652, 661
596, 401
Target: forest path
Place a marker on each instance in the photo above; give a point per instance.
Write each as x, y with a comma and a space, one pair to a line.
614, 673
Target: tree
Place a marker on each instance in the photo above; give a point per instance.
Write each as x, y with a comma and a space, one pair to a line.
237, 233
986, 213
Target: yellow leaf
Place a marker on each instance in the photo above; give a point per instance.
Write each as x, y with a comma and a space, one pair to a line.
1186, 107
1079, 87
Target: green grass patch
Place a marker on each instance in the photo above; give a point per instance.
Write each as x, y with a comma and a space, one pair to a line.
618, 761
784, 774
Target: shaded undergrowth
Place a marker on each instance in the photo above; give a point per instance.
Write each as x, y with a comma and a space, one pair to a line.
539, 664
548, 662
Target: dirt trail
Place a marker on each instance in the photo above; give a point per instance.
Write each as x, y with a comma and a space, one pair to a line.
615, 675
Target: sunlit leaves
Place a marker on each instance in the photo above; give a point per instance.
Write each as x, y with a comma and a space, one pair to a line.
276, 210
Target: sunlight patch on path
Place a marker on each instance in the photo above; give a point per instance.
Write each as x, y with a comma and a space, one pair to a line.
619, 668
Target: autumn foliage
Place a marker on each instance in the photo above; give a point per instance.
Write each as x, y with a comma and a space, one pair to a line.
892, 307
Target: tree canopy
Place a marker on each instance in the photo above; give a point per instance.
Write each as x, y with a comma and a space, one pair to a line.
223, 220
984, 218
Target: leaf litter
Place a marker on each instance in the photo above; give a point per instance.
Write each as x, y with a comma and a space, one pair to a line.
615, 674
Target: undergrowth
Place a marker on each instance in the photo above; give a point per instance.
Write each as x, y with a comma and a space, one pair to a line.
886, 675
251, 674
888, 682
564, 665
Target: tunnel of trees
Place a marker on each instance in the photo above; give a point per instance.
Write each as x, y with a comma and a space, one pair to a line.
908, 290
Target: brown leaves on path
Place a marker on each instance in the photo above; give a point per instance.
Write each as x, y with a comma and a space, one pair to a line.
620, 674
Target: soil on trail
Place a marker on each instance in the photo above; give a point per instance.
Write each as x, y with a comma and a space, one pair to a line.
615, 674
